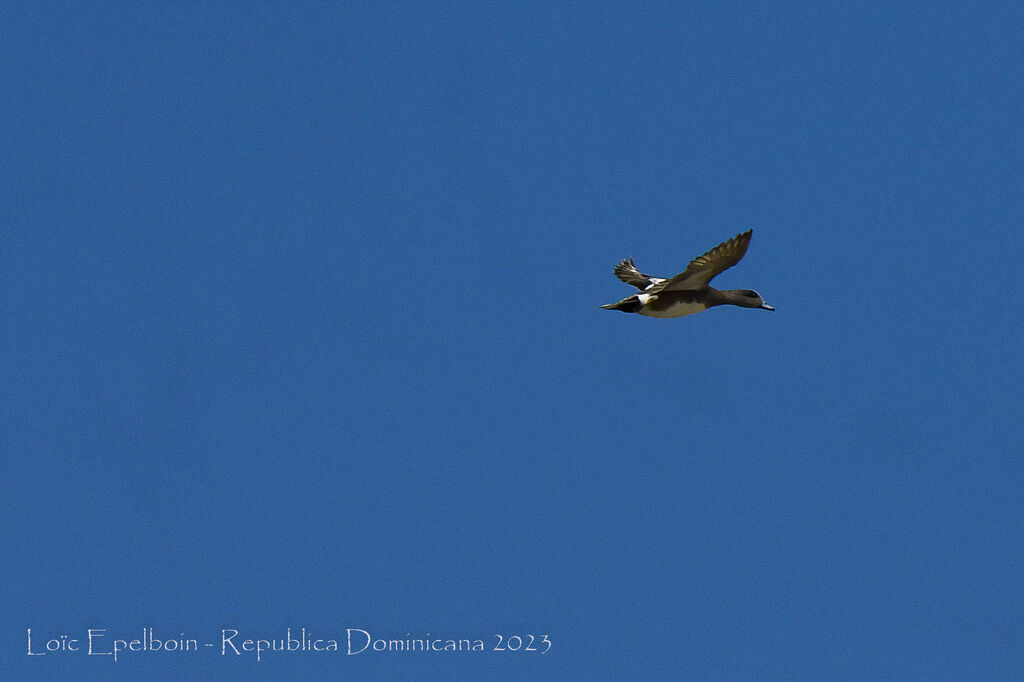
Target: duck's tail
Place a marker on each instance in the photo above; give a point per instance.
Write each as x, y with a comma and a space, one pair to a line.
626, 305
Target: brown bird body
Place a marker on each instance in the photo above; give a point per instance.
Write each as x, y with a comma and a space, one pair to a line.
688, 292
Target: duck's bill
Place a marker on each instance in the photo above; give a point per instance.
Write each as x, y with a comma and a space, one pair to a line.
767, 307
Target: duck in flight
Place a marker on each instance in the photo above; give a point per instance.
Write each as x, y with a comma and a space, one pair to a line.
688, 292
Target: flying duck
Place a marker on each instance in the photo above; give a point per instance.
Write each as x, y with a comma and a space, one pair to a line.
688, 292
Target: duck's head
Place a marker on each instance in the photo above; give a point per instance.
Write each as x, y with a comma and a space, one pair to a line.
747, 298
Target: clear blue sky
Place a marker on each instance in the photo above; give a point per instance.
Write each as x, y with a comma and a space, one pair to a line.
300, 328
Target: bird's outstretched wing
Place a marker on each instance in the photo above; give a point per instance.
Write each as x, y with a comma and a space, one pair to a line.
703, 269
627, 272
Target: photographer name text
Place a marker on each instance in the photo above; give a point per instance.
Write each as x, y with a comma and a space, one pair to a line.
231, 642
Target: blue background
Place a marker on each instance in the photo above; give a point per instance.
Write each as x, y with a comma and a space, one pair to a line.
300, 328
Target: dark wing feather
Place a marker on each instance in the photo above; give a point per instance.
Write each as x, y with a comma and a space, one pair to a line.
703, 269
627, 272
